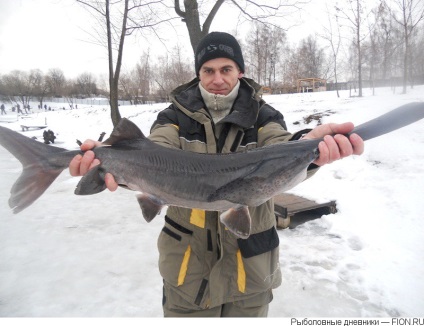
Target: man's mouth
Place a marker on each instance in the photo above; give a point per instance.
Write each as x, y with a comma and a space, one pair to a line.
219, 91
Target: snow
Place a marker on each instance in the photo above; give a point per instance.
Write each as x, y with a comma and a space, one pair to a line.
95, 256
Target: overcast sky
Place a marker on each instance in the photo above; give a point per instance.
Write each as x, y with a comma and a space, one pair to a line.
44, 34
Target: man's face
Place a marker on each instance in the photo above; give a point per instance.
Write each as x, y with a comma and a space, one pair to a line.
219, 76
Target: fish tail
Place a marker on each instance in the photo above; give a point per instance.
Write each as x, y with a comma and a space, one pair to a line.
31, 184
38, 170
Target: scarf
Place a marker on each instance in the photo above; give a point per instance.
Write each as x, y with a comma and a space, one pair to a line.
219, 105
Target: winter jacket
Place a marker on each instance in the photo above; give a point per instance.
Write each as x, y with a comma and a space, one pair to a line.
199, 259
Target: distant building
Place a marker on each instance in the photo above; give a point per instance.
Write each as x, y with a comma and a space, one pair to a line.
306, 85
266, 90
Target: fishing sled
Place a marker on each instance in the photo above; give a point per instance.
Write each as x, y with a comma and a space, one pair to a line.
292, 209
26, 127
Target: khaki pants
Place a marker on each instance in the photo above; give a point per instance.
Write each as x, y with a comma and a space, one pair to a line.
175, 306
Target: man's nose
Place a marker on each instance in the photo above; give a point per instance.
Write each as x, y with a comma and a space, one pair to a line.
217, 78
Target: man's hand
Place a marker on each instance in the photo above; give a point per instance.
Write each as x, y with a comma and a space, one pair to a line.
336, 145
80, 164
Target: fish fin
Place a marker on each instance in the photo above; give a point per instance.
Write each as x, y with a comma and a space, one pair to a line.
92, 182
38, 173
125, 130
238, 221
150, 206
31, 184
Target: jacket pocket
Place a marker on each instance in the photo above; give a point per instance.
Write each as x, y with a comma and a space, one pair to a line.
258, 268
259, 243
175, 252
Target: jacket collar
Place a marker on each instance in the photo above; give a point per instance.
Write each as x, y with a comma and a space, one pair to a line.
245, 109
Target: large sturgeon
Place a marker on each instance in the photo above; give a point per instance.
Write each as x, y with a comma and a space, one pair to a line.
164, 176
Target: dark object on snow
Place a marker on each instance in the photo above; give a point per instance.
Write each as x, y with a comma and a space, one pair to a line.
102, 135
48, 136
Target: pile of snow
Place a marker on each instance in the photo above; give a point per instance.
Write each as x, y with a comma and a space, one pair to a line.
95, 256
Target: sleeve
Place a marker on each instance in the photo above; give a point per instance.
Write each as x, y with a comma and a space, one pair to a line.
272, 133
165, 129
272, 129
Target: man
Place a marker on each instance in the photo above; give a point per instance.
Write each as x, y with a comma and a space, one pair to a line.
206, 270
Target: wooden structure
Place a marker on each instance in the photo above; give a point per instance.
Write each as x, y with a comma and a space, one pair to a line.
306, 85
266, 90
288, 205
26, 128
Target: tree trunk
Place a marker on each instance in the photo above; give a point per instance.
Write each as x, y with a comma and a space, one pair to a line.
358, 35
191, 17
405, 61
114, 75
114, 105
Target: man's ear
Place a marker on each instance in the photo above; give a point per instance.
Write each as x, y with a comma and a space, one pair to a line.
240, 75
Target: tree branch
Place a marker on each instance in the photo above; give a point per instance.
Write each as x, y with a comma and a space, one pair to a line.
178, 10
92, 7
212, 14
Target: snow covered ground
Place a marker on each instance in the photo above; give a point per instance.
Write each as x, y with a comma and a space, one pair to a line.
95, 256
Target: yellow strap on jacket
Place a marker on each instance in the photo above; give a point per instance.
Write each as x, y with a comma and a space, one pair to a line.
184, 266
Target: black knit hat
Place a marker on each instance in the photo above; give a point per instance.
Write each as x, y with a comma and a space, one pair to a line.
218, 45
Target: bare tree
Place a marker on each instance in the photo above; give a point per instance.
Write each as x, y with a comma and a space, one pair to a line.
126, 87
135, 84
261, 11
182, 70
255, 52
86, 84
115, 35
172, 71
2, 89
304, 61
56, 81
332, 35
419, 58
263, 49
292, 67
19, 87
388, 41
70, 91
312, 58
40, 86
372, 51
116, 20
143, 77
356, 15
191, 16
411, 14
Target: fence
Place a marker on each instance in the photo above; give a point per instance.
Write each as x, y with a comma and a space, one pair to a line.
84, 101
